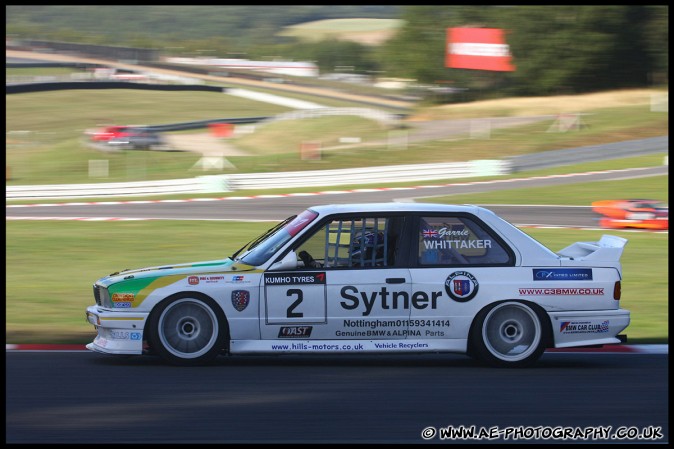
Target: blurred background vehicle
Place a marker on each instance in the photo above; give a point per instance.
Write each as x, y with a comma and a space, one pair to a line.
633, 213
129, 137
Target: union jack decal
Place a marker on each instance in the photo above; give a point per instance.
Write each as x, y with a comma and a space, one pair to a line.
430, 233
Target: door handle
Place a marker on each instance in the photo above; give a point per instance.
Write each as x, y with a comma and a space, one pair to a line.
395, 280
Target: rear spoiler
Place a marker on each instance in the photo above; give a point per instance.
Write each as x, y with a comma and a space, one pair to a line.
609, 248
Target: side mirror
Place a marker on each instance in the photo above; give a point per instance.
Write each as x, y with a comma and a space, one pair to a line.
289, 262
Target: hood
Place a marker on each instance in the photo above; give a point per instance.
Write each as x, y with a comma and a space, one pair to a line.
213, 266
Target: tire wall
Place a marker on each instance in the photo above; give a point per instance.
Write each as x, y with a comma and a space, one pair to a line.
97, 85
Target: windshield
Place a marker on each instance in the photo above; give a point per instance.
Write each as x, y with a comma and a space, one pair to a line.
654, 205
262, 248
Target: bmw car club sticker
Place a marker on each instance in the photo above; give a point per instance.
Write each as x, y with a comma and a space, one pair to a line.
461, 286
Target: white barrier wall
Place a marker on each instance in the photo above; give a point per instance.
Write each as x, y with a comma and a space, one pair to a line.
274, 180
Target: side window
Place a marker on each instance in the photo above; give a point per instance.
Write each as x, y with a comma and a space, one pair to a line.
446, 240
353, 242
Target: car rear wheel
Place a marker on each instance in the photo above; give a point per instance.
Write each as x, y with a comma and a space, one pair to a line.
188, 330
509, 334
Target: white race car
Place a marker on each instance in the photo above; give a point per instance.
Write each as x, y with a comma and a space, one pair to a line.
371, 278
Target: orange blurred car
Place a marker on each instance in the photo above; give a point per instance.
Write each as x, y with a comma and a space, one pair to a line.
637, 213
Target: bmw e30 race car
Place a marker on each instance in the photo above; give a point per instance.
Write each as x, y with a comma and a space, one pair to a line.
371, 278
634, 213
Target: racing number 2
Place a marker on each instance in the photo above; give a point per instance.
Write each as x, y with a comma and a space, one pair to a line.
290, 312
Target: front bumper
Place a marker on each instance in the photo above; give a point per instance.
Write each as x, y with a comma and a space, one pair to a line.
118, 332
588, 327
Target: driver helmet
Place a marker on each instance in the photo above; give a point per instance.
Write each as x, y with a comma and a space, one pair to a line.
363, 244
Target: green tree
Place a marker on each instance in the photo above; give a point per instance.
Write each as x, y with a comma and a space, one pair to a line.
572, 49
335, 55
417, 50
656, 41
556, 49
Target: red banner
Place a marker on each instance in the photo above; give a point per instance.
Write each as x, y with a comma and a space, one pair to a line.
479, 49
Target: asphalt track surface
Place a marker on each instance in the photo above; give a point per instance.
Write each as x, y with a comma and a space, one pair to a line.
85, 397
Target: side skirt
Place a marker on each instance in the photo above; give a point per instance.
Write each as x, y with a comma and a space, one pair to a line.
346, 346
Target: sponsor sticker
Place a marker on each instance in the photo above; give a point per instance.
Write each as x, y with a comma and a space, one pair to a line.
193, 280
125, 335
561, 291
240, 299
122, 305
461, 286
562, 274
211, 279
119, 335
294, 278
295, 332
583, 327
386, 299
300, 222
122, 297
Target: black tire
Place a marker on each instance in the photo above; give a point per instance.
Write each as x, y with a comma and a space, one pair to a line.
188, 329
509, 334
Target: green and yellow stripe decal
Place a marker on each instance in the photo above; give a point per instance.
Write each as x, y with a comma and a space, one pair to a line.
142, 287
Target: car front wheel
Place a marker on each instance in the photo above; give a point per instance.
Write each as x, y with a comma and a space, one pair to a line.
187, 330
509, 334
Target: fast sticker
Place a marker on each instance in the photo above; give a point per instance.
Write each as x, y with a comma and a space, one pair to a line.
295, 332
461, 286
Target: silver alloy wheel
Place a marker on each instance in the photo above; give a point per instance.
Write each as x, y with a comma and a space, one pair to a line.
188, 328
511, 331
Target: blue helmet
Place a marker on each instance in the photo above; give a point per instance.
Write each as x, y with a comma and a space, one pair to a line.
364, 245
